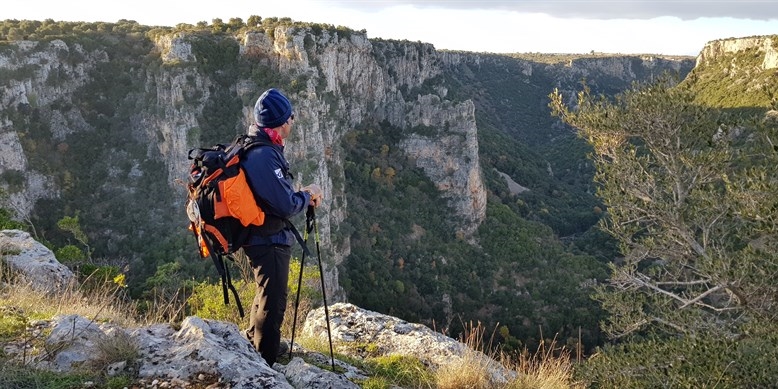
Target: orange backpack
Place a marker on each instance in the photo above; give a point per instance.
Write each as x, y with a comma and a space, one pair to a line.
220, 205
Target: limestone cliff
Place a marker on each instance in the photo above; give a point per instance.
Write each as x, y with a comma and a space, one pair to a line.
341, 80
29, 69
766, 46
106, 122
736, 72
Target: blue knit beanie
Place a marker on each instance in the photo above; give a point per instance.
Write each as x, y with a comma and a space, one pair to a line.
272, 109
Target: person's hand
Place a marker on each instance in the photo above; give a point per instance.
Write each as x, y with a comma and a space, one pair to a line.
316, 194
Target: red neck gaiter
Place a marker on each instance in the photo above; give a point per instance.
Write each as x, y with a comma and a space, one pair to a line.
275, 137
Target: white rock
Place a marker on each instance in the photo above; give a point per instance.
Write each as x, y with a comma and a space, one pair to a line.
34, 261
392, 336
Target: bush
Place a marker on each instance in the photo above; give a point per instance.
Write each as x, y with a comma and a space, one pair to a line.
207, 299
401, 370
688, 362
70, 253
7, 223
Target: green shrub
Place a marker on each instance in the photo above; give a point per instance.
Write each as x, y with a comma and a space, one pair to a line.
402, 370
7, 223
375, 383
689, 362
12, 322
95, 275
207, 301
70, 253
118, 382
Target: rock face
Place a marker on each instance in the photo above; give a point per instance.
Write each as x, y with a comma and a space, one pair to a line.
44, 62
337, 80
201, 352
203, 347
364, 82
34, 262
765, 45
342, 81
450, 159
304, 375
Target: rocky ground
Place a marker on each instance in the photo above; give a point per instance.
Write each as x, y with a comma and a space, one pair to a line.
203, 353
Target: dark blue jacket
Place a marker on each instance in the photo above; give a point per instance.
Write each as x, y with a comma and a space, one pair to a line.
267, 173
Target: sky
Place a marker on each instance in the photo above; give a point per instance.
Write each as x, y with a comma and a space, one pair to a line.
669, 27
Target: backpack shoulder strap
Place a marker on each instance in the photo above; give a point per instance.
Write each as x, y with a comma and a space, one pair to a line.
253, 141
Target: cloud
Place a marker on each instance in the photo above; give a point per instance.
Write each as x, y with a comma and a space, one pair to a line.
599, 9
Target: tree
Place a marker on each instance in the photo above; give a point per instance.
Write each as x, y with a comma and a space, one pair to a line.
72, 225
235, 24
691, 197
254, 21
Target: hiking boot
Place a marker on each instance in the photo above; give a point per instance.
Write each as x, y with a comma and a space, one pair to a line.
283, 348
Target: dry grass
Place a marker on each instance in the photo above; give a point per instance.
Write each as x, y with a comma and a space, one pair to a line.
304, 306
474, 369
548, 368
118, 346
165, 306
102, 303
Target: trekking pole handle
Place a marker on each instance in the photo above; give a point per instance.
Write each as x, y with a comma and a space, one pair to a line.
310, 217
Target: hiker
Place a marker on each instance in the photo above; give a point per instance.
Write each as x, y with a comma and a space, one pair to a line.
269, 247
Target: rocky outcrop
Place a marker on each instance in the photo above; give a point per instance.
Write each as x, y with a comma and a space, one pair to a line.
174, 49
200, 352
210, 353
302, 374
451, 160
514, 187
764, 45
388, 335
34, 262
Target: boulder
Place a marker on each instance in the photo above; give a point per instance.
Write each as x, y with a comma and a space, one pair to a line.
34, 262
200, 352
353, 328
303, 375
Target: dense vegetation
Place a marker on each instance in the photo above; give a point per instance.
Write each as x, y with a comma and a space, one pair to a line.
407, 260
690, 193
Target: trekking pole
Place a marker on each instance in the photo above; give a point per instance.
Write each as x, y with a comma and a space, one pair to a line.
308, 229
321, 276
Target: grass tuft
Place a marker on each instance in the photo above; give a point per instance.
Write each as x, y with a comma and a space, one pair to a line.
548, 368
118, 346
473, 369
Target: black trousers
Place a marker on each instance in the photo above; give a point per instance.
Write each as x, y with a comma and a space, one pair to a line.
271, 274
